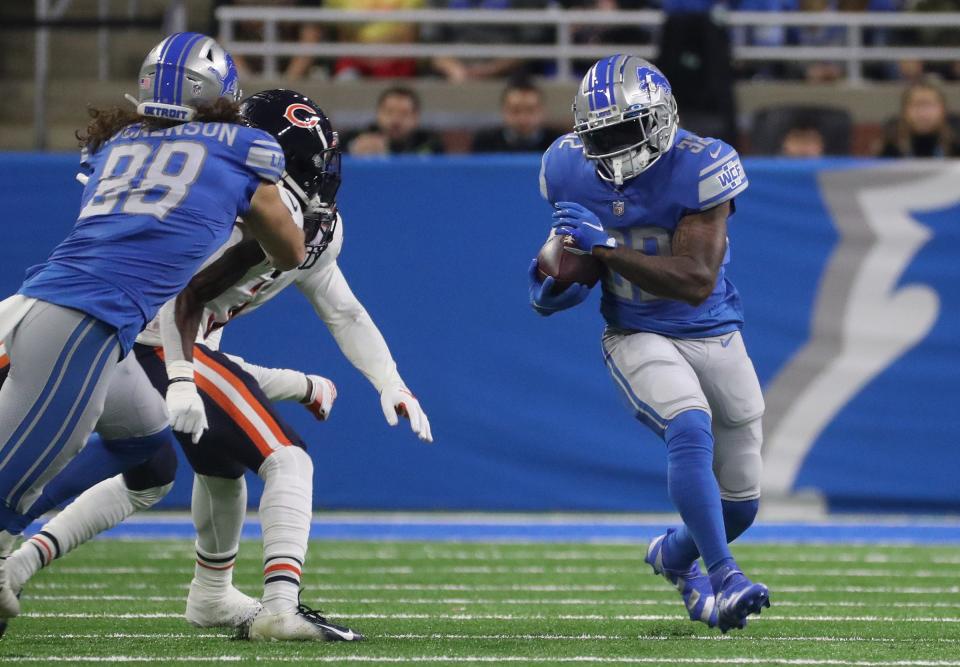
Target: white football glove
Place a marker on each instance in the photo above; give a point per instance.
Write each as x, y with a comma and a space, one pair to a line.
397, 400
322, 395
184, 404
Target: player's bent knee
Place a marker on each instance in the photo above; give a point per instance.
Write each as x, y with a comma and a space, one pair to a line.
738, 464
147, 498
688, 425
290, 460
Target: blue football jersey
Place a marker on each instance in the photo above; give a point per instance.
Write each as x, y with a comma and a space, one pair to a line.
695, 175
156, 205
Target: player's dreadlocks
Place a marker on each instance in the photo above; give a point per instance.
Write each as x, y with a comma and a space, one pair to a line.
104, 123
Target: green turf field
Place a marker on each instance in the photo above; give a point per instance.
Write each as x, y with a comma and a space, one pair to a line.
539, 604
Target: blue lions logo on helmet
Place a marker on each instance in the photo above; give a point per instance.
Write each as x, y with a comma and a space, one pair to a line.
229, 83
652, 81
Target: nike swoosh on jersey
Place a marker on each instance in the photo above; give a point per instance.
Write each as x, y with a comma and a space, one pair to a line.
726, 343
715, 153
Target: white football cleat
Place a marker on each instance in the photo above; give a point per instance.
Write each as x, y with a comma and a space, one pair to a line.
9, 603
219, 608
304, 624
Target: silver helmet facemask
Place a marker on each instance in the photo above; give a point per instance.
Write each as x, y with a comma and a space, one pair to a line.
625, 115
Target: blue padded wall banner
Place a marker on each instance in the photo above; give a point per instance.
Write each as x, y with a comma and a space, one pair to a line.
849, 275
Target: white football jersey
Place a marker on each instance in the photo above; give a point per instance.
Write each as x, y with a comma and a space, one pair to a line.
260, 284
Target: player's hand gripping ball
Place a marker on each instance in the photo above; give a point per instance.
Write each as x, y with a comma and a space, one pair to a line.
546, 299
582, 226
556, 261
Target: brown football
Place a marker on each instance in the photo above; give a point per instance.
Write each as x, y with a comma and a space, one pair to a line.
566, 267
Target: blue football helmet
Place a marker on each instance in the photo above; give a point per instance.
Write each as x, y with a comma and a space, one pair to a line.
184, 71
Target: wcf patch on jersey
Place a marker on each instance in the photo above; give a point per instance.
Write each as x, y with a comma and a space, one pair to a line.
731, 175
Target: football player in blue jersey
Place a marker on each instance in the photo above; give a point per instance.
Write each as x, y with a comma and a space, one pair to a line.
166, 185
651, 201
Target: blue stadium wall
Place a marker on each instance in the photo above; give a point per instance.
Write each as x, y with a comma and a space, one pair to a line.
850, 272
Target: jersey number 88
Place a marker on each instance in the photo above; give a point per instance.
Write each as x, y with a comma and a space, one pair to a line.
167, 171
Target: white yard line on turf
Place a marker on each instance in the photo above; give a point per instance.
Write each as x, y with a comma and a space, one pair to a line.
586, 602
428, 568
429, 554
529, 637
588, 659
533, 588
773, 616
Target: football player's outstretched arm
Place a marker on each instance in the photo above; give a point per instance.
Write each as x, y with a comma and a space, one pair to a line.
363, 345
690, 274
270, 222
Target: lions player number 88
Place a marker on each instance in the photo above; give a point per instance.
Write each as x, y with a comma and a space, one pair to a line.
648, 240
159, 191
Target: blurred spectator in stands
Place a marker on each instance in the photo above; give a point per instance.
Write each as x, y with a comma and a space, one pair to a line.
397, 128
523, 131
252, 31
459, 70
827, 36
378, 32
618, 34
770, 36
696, 58
803, 141
914, 70
923, 128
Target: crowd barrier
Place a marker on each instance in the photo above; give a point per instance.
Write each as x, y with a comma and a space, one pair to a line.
848, 269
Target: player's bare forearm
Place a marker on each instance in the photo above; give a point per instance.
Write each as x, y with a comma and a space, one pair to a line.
272, 225
210, 283
690, 274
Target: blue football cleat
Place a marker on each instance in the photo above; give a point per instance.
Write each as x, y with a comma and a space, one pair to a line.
693, 584
738, 598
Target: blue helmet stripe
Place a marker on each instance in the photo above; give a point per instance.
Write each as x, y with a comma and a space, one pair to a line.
178, 80
611, 97
158, 71
599, 83
169, 75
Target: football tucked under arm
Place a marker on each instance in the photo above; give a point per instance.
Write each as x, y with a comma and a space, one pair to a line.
566, 267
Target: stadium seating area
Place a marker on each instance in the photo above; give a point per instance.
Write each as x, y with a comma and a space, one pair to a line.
758, 104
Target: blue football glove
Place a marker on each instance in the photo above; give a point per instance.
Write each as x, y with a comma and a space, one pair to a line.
583, 226
545, 302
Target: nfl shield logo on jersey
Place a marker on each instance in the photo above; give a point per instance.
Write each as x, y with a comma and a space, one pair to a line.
618, 207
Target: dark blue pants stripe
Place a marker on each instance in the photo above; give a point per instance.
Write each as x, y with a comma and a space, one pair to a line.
79, 407
52, 383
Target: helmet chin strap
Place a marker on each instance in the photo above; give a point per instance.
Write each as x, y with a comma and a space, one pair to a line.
617, 170
297, 191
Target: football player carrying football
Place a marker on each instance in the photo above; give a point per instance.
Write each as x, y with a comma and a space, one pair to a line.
246, 432
651, 201
165, 187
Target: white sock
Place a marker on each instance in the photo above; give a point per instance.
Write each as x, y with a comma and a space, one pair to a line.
97, 509
285, 510
218, 507
7, 540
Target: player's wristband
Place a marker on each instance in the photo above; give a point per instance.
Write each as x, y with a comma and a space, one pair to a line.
180, 371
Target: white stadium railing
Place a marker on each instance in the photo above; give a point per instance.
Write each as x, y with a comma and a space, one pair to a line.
853, 53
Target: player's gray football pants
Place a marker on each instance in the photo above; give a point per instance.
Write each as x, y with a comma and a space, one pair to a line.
61, 363
661, 377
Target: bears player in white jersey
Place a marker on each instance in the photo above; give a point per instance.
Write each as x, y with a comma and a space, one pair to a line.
246, 432
651, 202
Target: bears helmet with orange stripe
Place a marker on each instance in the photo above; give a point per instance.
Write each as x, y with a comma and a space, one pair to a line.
311, 148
